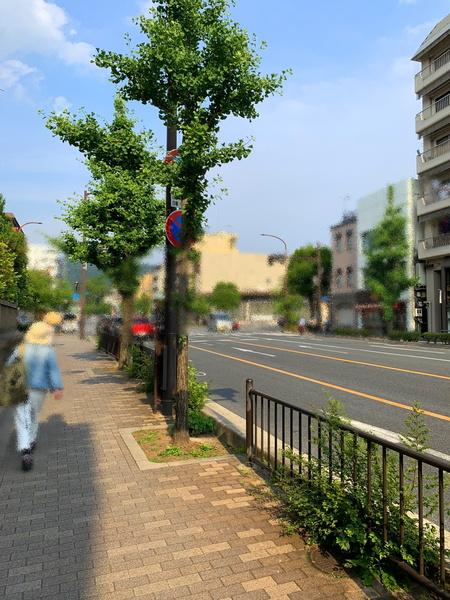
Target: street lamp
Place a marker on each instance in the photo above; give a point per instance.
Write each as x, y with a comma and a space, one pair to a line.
20, 228
277, 238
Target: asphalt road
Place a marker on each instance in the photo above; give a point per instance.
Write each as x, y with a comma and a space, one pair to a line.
376, 381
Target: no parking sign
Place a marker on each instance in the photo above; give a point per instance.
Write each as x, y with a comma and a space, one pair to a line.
174, 226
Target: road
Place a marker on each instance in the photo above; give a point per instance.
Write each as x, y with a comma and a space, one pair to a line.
376, 381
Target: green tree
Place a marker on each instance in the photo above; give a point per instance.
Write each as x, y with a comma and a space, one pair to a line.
289, 307
45, 293
15, 287
303, 271
123, 217
8, 278
225, 296
197, 67
143, 304
98, 287
386, 253
199, 306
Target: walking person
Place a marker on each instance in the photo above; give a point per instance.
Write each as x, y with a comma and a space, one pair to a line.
42, 375
302, 325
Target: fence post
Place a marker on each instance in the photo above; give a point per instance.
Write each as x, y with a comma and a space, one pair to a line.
249, 418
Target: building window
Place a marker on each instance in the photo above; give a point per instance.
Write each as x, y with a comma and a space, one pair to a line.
442, 140
349, 236
365, 240
339, 279
338, 242
349, 277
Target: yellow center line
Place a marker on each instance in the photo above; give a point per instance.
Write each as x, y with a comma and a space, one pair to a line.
325, 384
348, 360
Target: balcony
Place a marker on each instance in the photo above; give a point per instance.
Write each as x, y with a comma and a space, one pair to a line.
434, 247
434, 158
430, 204
432, 75
434, 116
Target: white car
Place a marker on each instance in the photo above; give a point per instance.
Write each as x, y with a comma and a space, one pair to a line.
220, 322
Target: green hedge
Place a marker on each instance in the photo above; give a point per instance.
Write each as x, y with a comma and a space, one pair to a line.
443, 338
405, 336
351, 331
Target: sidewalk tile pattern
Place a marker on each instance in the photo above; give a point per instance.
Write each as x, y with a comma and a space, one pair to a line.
86, 523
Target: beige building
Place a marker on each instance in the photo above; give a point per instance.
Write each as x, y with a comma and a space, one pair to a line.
344, 252
432, 85
256, 278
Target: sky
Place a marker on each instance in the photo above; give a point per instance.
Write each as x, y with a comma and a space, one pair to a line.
343, 127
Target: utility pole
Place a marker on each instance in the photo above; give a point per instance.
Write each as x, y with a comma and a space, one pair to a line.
83, 285
169, 383
319, 284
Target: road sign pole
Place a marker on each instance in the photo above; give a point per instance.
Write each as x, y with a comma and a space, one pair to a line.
170, 314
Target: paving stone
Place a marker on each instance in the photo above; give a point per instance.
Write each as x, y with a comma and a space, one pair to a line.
87, 524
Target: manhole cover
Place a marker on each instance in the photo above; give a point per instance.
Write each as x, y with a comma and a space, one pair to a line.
325, 562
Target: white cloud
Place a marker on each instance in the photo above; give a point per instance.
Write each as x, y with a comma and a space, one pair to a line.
421, 29
408, 1
12, 71
60, 103
38, 26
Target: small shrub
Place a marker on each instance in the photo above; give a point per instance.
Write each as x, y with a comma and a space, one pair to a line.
200, 424
352, 331
140, 366
443, 338
198, 391
405, 336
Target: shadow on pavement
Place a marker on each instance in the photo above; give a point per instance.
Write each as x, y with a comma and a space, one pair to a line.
224, 394
47, 516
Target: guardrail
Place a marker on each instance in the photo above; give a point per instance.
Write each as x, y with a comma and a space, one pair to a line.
347, 455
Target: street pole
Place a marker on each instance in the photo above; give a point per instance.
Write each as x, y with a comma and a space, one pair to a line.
319, 285
170, 313
286, 256
82, 288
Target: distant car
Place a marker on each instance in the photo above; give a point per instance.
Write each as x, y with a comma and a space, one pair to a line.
142, 327
220, 322
69, 323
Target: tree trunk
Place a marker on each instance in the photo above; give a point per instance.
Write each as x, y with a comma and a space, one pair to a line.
181, 433
125, 334
182, 395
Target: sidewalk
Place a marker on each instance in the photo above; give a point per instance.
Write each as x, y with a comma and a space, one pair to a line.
87, 523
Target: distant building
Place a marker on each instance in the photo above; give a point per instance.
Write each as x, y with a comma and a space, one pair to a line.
432, 85
370, 211
257, 277
344, 257
45, 258
14, 222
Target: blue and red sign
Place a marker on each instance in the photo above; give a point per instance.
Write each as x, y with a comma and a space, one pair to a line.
172, 156
174, 226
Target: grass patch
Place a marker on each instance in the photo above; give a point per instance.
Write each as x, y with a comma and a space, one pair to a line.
159, 447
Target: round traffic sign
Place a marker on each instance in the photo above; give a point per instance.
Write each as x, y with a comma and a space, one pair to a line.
174, 225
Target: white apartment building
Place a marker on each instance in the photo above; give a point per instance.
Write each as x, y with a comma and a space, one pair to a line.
370, 211
44, 258
432, 85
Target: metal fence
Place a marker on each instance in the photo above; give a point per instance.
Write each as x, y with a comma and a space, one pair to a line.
278, 432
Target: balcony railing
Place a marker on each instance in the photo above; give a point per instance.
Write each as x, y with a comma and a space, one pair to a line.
434, 108
437, 241
437, 64
435, 152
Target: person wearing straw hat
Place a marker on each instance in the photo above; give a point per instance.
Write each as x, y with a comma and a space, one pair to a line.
43, 375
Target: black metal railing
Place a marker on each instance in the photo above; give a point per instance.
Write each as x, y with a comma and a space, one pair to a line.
284, 437
110, 343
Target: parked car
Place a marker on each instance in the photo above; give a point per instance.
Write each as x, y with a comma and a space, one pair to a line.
143, 327
220, 322
69, 323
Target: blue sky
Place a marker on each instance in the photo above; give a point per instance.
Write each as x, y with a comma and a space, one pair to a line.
343, 128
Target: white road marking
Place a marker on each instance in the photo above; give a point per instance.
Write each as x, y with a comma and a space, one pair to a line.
314, 347
391, 346
324, 350
254, 352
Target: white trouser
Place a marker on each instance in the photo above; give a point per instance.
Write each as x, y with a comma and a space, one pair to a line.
27, 419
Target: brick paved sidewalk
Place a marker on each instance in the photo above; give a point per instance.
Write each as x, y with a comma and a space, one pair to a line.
87, 523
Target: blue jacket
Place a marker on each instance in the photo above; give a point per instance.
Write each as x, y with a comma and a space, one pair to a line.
42, 369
